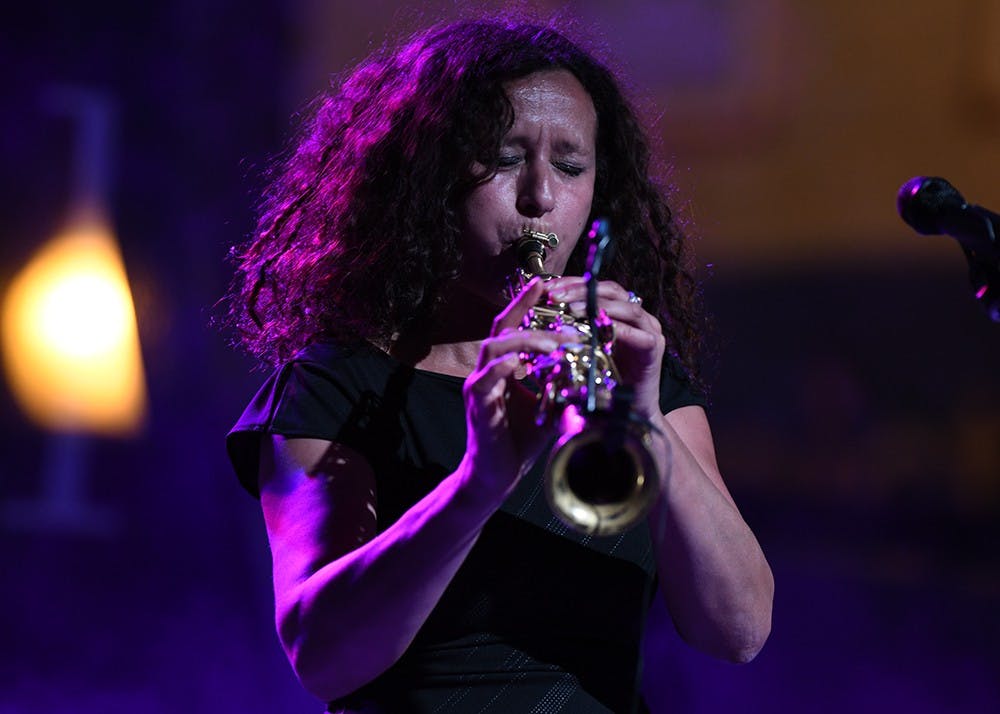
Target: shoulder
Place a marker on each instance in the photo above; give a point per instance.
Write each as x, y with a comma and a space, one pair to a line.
311, 396
331, 373
338, 357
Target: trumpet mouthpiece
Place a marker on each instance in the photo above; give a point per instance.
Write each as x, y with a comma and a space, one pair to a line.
550, 240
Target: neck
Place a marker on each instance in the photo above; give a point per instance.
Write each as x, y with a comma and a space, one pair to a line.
449, 343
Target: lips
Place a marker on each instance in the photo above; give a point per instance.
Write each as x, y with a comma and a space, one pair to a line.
514, 233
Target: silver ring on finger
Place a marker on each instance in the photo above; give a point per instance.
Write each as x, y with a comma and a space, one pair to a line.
633, 298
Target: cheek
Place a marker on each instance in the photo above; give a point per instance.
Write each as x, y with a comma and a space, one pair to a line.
469, 209
481, 204
583, 203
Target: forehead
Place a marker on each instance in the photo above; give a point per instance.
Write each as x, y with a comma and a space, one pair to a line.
555, 96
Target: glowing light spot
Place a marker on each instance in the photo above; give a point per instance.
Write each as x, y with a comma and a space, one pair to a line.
982, 291
82, 315
70, 339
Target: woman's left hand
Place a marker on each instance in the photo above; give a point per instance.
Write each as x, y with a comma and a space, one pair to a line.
639, 342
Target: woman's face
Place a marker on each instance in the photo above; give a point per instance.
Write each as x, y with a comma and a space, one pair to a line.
545, 182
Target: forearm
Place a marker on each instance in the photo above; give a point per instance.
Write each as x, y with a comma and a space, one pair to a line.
716, 581
354, 617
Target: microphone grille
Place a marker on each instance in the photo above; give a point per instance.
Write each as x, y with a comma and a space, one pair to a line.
923, 200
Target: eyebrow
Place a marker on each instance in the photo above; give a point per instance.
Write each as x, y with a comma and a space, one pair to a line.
563, 147
570, 147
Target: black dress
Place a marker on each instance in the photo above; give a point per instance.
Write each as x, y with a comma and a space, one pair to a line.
538, 618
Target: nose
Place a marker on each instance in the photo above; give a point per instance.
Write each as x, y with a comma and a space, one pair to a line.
535, 195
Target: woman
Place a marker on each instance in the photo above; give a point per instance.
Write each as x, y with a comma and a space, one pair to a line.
394, 449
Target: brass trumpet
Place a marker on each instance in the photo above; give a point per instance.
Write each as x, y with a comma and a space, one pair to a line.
601, 477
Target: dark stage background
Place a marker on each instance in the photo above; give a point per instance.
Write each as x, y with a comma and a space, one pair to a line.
856, 399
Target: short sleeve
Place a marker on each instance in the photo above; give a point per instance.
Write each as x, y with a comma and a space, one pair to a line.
299, 400
676, 390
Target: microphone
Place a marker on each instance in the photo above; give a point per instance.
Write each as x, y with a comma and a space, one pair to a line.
931, 205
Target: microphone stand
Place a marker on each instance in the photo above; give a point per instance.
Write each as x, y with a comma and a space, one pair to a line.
984, 275
623, 394
983, 257
600, 242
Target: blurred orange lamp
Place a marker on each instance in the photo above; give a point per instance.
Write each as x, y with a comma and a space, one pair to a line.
69, 335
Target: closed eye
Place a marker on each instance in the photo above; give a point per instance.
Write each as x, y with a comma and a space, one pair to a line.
569, 169
505, 162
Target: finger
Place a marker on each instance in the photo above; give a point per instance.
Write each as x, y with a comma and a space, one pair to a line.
623, 311
492, 373
514, 342
638, 338
573, 288
618, 311
514, 313
574, 293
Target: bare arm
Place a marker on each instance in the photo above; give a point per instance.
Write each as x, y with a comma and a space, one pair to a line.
349, 602
716, 581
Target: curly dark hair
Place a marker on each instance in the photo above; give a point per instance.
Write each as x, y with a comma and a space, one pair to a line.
358, 231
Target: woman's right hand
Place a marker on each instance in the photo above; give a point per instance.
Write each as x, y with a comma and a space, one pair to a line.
503, 438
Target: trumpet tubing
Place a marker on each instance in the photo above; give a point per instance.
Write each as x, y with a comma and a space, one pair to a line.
601, 478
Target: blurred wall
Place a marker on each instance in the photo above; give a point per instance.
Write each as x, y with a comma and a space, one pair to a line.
789, 126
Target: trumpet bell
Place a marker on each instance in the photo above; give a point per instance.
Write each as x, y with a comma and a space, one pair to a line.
601, 479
